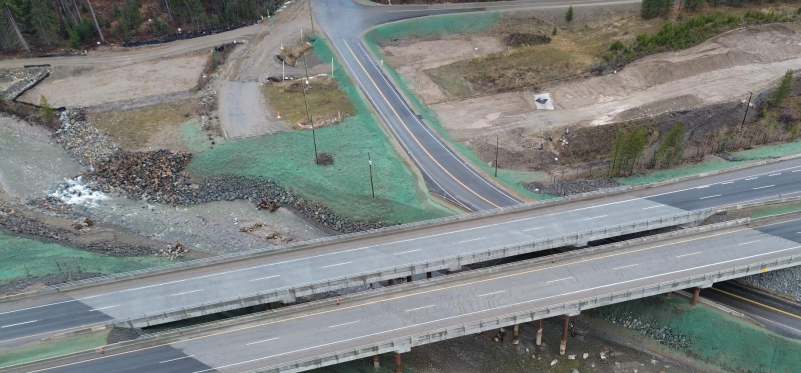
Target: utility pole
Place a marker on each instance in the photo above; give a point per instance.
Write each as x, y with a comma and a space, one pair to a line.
748, 105
310, 18
306, 101
496, 155
370, 162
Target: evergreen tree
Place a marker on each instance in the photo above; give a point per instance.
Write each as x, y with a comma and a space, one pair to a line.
230, 15
554, 31
47, 112
569, 14
782, 90
42, 23
672, 147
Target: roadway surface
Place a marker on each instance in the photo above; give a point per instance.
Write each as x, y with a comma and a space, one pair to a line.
446, 302
778, 315
37, 317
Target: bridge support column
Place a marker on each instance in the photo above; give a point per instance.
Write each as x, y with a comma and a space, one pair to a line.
563, 343
376, 362
408, 278
428, 274
667, 295
398, 364
539, 332
696, 293
516, 330
392, 281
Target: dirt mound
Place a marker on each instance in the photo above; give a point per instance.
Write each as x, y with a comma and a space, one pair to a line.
519, 39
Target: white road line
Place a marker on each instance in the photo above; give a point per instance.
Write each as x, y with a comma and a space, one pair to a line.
186, 292
336, 265
797, 171
180, 358
419, 308
746, 243
21, 323
774, 322
752, 178
531, 229
775, 174
683, 255
494, 292
631, 265
763, 187
347, 323
264, 278
653, 207
103, 308
702, 187
266, 340
596, 217
726, 182
585, 290
716, 195
406, 252
561, 279
475, 239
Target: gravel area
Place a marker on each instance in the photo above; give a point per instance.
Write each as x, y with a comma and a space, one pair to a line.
571, 186
123, 334
785, 281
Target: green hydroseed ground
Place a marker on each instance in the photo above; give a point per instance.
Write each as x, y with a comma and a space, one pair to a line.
40, 259
288, 158
715, 338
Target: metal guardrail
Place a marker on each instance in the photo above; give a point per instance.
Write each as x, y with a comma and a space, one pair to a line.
290, 293
372, 233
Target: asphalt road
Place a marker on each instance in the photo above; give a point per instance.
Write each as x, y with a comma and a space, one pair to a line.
778, 315
450, 302
37, 317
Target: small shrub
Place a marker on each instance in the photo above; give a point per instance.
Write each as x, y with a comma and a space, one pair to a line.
569, 14
47, 111
554, 31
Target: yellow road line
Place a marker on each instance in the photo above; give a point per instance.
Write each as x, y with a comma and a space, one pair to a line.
343, 308
757, 303
410, 132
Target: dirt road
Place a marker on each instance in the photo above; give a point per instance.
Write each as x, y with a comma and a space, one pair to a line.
721, 69
243, 110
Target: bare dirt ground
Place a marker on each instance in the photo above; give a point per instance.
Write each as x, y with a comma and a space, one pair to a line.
719, 70
88, 87
242, 108
412, 56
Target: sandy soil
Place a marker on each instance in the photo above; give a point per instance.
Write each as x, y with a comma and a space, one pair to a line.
718, 70
100, 86
412, 56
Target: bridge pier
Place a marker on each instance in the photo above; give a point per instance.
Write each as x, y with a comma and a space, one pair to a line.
398, 364
563, 343
667, 295
539, 332
408, 278
392, 281
428, 274
696, 293
376, 362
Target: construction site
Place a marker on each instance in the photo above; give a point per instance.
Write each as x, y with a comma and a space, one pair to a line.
162, 148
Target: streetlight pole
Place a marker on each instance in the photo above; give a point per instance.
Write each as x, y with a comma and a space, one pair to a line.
370, 163
310, 18
306, 101
496, 155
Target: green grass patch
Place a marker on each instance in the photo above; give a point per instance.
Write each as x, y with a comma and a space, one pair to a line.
436, 25
326, 100
39, 258
344, 186
43, 350
784, 208
715, 338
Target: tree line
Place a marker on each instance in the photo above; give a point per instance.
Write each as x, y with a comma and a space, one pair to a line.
629, 145
27, 25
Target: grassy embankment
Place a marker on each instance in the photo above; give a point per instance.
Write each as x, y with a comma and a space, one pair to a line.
713, 337
443, 25
22, 257
45, 349
326, 100
344, 186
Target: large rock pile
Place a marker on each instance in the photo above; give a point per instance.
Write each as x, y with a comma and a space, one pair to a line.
82, 140
785, 281
571, 187
666, 336
156, 176
14, 82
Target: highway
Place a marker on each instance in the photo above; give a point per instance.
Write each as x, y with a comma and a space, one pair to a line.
36, 317
450, 301
778, 315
